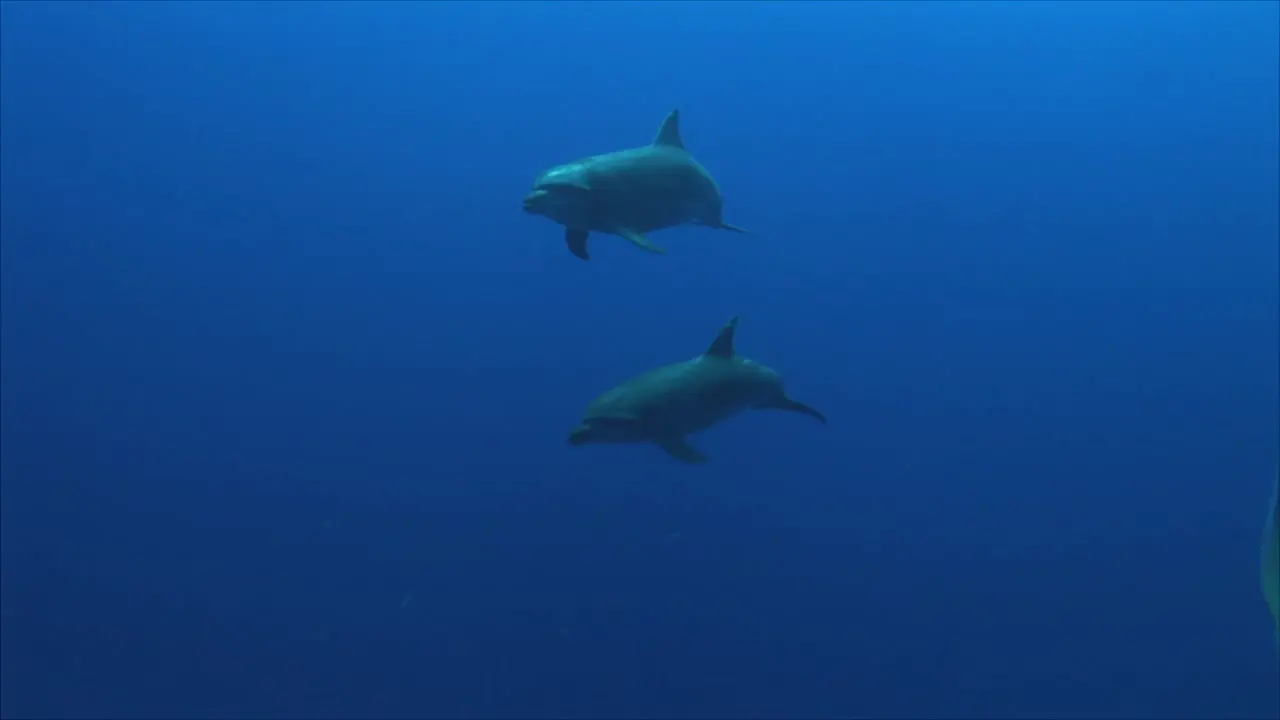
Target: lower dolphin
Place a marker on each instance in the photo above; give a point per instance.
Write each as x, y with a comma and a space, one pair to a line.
665, 405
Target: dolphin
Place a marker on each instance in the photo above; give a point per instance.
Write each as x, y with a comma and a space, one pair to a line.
1271, 557
664, 405
629, 193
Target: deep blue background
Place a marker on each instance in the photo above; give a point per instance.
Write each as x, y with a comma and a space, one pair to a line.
287, 374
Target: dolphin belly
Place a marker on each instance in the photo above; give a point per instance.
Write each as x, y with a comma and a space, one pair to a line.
686, 414
687, 398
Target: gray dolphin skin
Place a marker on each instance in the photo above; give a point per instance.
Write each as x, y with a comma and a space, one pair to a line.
665, 405
629, 193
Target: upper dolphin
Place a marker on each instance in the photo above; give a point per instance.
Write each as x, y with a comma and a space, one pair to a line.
629, 192
664, 405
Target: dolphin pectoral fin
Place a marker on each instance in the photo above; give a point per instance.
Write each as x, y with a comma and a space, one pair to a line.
640, 241
722, 225
577, 242
680, 449
786, 403
715, 222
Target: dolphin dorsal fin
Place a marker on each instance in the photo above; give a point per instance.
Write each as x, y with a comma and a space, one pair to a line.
669, 133
722, 346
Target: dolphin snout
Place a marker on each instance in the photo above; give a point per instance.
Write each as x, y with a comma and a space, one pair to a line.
530, 201
580, 435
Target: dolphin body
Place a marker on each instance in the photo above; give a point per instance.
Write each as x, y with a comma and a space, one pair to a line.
664, 405
1271, 557
629, 193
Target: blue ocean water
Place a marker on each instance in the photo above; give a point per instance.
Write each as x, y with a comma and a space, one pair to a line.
287, 374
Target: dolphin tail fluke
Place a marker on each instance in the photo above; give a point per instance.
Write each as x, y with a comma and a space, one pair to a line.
786, 403
680, 449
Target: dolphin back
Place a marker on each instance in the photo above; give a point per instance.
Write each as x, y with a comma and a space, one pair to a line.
641, 395
684, 397
656, 173
1271, 558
